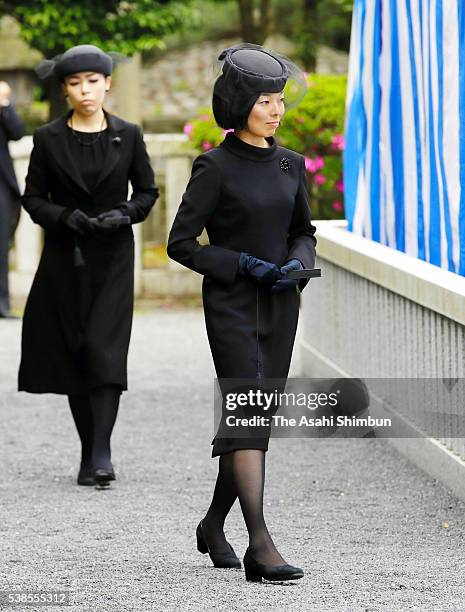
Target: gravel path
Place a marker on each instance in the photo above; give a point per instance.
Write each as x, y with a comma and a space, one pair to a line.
371, 531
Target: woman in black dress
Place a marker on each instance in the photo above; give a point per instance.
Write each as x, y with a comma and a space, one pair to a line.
78, 316
251, 196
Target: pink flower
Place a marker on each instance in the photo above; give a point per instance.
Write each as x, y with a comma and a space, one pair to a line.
338, 142
188, 129
340, 186
320, 179
206, 146
310, 165
226, 131
204, 117
319, 162
337, 205
313, 165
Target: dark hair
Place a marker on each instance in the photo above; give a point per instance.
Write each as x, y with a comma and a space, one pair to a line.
225, 116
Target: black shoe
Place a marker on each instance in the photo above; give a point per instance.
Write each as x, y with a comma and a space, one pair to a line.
86, 477
226, 559
254, 571
104, 477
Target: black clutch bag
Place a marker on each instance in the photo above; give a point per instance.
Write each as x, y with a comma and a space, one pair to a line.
304, 273
111, 222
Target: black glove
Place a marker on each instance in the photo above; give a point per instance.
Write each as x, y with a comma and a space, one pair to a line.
287, 283
113, 214
79, 222
263, 272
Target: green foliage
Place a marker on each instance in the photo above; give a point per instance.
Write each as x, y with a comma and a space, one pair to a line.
312, 23
318, 116
124, 26
334, 21
314, 128
203, 131
33, 115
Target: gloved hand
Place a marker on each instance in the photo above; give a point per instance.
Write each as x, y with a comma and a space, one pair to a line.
79, 222
264, 272
114, 213
284, 284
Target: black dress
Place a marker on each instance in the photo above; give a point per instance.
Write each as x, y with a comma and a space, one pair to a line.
77, 321
250, 199
88, 150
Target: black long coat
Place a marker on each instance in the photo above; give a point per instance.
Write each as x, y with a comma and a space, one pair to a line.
77, 321
255, 200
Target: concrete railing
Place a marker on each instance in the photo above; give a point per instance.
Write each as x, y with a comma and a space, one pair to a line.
172, 158
377, 313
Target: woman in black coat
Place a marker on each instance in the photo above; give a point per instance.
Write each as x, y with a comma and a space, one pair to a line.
251, 196
78, 316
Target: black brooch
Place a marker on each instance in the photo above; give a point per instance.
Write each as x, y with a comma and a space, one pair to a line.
285, 164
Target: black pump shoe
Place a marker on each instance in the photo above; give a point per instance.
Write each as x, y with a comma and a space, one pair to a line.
104, 477
254, 571
86, 477
227, 559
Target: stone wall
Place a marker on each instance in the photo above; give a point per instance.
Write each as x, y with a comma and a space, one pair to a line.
179, 83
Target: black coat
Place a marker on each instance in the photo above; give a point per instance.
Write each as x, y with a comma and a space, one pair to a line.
77, 321
11, 128
250, 200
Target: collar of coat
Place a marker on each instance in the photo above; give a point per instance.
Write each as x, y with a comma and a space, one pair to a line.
66, 161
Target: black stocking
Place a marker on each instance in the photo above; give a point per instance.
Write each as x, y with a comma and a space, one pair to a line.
224, 497
241, 474
82, 415
249, 476
104, 403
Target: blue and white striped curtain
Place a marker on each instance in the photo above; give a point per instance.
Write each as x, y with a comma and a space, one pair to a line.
404, 159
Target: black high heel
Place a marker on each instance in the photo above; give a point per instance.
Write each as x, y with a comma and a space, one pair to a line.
254, 571
104, 477
227, 559
86, 477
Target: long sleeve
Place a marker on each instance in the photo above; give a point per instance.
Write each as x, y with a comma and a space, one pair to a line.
11, 123
144, 189
301, 239
198, 204
36, 198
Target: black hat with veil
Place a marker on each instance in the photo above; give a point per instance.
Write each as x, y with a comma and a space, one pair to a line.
247, 71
